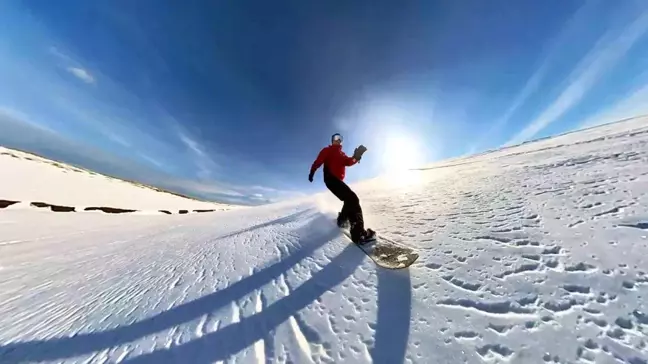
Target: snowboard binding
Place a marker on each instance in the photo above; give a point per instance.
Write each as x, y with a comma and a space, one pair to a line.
367, 237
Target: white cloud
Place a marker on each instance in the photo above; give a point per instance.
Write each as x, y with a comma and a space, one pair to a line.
81, 74
600, 60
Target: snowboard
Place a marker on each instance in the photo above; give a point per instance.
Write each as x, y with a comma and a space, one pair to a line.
385, 252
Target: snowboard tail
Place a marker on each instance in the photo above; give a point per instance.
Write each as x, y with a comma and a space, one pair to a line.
385, 252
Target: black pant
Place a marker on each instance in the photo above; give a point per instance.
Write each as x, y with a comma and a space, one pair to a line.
351, 209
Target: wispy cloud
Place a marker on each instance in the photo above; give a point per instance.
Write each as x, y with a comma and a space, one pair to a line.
47, 108
577, 22
205, 164
191, 144
21, 117
264, 189
17, 133
634, 104
233, 193
82, 74
153, 161
205, 188
72, 65
275, 193
60, 54
116, 138
600, 60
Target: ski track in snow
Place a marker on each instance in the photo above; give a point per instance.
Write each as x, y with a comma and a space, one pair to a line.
532, 254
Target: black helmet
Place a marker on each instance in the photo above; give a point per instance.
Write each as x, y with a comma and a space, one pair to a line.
336, 136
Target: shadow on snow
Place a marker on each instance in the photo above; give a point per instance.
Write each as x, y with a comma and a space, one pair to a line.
392, 326
394, 316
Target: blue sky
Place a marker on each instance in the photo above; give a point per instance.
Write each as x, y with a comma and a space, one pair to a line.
233, 100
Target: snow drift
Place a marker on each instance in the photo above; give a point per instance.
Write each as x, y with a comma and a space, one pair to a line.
531, 254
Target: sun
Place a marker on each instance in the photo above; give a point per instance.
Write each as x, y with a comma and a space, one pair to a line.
401, 153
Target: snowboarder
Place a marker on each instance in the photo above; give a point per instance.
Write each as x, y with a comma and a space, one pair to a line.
335, 162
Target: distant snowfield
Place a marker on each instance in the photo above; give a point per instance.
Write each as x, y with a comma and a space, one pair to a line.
531, 254
27, 178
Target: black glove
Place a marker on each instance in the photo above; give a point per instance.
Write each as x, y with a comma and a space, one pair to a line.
359, 151
310, 177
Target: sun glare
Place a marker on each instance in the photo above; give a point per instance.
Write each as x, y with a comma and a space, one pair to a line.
401, 153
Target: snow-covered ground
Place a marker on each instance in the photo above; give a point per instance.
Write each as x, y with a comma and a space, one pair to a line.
532, 254
28, 178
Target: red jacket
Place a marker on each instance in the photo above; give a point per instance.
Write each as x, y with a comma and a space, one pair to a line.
334, 160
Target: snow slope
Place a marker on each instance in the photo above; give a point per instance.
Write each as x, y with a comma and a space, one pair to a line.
532, 254
29, 178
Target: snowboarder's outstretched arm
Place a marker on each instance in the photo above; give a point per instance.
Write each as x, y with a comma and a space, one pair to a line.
321, 157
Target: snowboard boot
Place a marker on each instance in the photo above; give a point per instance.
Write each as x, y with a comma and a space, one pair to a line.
363, 237
341, 222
